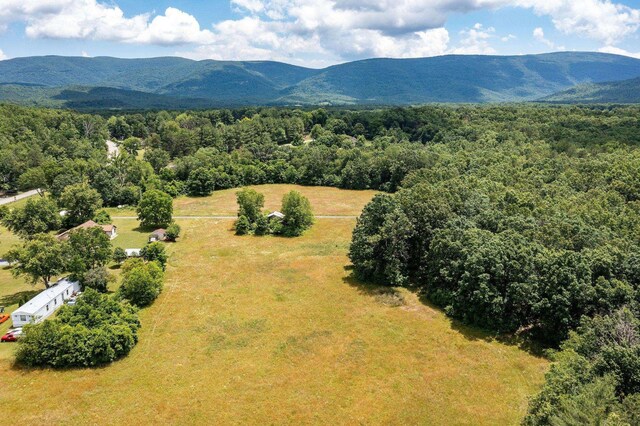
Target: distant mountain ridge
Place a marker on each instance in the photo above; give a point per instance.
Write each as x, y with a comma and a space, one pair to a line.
622, 92
187, 83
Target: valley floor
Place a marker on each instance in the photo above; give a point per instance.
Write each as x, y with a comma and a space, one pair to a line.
264, 330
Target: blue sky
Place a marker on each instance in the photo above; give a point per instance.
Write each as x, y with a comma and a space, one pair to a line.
315, 33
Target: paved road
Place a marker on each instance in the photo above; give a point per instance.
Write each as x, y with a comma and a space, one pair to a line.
11, 199
231, 217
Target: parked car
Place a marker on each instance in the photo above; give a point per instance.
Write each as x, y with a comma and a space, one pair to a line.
4, 317
11, 335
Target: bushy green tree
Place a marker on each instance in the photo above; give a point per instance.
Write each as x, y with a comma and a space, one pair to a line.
39, 259
155, 252
96, 330
81, 202
242, 226
201, 182
38, 215
298, 216
102, 217
141, 282
172, 232
87, 249
97, 278
262, 225
119, 255
155, 208
250, 204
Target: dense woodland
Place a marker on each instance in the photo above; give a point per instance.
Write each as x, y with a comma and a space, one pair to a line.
518, 219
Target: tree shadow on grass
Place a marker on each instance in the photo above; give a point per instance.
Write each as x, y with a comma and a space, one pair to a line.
469, 332
145, 229
14, 299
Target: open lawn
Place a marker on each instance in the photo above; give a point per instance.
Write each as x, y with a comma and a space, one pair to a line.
324, 200
268, 330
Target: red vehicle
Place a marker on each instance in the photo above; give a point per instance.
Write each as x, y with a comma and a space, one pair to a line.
11, 336
3, 318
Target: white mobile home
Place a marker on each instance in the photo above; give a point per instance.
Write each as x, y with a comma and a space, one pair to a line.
45, 303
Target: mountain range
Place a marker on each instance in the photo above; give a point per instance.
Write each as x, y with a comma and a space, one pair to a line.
170, 82
622, 92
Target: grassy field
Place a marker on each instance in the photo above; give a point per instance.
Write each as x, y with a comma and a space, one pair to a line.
266, 330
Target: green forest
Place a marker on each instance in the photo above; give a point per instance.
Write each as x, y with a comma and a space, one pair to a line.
521, 220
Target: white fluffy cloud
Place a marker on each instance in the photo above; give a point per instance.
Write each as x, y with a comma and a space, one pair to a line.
601, 20
618, 51
90, 19
348, 29
475, 41
538, 34
325, 31
2, 56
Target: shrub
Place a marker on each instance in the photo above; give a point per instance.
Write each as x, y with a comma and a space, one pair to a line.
250, 203
97, 278
102, 217
96, 330
298, 216
243, 227
173, 232
262, 225
119, 255
141, 282
155, 252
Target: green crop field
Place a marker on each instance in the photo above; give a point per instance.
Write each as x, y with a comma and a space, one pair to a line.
270, 330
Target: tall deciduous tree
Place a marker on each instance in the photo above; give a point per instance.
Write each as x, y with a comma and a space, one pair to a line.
298, 215
39, 259
81, 202
250, 204
155, 208
88, 249
38, 215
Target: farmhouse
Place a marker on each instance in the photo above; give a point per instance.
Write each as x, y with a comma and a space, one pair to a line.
110, 230
45, 303
275, 214
158, 235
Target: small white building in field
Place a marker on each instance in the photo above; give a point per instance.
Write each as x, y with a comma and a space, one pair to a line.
275, 214
45, 303
132, 252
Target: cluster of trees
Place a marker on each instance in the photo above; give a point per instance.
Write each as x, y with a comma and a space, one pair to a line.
84, 255
511, 235
197, 152
296, 209
97, 330
595, 378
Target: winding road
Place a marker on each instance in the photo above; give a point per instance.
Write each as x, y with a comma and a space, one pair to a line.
17, 197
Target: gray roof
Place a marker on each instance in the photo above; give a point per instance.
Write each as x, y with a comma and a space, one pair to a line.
42, 298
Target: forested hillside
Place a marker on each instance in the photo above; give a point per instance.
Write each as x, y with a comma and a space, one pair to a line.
520, 220
623, 92
182, 83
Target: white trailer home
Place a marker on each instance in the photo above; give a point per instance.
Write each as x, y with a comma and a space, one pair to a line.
45, 303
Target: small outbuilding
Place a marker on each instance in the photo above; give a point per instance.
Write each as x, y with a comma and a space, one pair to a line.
45, 303
132, 252
158, 235
275, 214
110, 230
